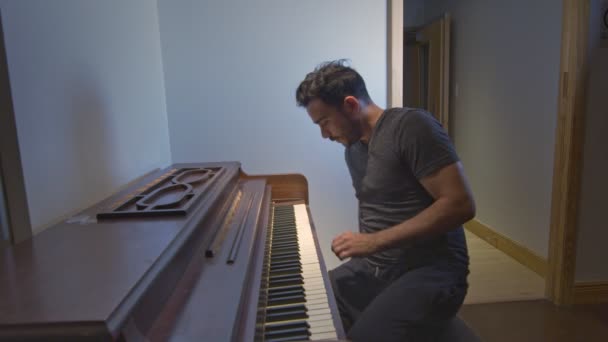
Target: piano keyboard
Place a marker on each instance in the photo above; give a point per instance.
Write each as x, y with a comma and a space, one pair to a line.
297, 306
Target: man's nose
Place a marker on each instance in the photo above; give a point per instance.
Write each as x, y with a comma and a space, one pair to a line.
324, 133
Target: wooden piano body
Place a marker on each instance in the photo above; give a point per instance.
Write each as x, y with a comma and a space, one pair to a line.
194, 252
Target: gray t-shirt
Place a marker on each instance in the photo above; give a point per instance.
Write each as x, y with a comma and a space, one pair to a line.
405, 146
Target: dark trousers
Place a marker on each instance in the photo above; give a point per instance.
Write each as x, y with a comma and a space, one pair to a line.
393, 304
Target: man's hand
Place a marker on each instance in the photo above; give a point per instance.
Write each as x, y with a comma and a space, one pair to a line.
351, 244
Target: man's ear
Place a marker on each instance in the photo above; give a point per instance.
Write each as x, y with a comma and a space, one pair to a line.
351, 105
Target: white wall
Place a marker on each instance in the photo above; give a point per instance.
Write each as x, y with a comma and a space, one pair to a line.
89, 100
231, 70
505, 64
591, 253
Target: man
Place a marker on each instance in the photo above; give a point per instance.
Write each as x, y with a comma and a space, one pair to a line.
409, 262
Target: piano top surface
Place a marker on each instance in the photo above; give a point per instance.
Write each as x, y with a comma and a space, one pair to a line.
82, 270
99, 265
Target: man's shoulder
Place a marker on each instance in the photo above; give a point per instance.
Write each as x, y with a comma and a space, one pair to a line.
407, 115
404, 121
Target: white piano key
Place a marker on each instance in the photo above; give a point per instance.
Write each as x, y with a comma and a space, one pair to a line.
315, 306
323, 336
317, 312
316, 301
317, 291
316, 318
321, 323
321, 330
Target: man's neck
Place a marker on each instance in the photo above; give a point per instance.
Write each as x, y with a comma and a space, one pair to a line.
369, 117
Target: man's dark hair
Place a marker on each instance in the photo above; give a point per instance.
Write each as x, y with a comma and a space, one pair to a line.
331, 82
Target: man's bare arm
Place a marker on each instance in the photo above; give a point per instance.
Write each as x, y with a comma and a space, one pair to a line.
453, 206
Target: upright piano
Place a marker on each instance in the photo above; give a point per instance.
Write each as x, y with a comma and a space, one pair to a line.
193, 252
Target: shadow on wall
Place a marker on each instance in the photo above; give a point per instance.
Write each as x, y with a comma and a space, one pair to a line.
86, 173
91, 137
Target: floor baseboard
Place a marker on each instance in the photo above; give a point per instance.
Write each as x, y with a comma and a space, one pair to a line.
513, 249
590, 292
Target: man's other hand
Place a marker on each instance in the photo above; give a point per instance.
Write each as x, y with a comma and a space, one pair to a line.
351, 244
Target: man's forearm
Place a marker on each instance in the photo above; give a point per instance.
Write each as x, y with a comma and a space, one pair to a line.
443, 215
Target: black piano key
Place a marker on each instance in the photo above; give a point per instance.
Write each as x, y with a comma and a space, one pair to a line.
285, 294
286, 315
285, 265
277, 277
277, 288
284, 220
283, 325
285, 282
282, 263
285, 238
284, 230
286, 288
293, 243
286, 325
291, 233
284, 227
285, 277
281, 335
286, 270
287, 334
284, 233
285, 213
282, 300
285, 258
284, 208
287, 312
289, 339
279, 296
285, 249
285, 253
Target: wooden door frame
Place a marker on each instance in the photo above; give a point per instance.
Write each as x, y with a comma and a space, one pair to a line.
395, 53
568, 155
569, 135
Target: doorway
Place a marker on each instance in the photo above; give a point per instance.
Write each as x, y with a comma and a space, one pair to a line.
558, 266
426, 74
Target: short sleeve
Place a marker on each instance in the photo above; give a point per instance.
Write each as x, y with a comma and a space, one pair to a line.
423, 144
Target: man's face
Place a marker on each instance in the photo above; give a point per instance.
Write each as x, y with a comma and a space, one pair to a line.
337, 125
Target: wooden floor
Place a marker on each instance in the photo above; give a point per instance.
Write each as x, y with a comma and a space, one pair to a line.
505, 303
537, 321
495, 277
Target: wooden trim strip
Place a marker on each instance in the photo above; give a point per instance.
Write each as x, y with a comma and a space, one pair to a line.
513, 249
